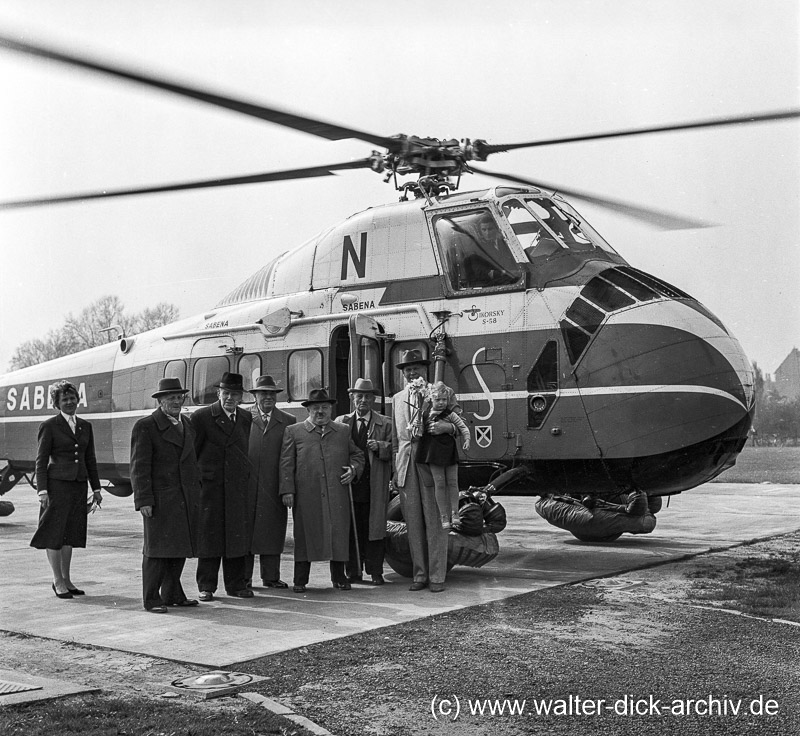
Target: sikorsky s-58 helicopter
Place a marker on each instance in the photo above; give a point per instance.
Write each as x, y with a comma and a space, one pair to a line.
567, 361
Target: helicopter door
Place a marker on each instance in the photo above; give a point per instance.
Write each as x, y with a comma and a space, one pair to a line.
481, 387
356, 351
210, 358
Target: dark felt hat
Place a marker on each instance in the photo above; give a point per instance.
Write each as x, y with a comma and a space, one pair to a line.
231, 382
318, 396
265, 383
412, 357
169, 386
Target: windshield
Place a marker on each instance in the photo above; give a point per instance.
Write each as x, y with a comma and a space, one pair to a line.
474, 251
545, 228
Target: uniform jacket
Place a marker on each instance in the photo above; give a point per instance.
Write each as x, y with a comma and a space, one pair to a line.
311, 465
224, 521
62, 455
267, 510
164, 475
380, 468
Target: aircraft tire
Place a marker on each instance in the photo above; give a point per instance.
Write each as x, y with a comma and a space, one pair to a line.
121, 491
6, 508
654, 504
590, 538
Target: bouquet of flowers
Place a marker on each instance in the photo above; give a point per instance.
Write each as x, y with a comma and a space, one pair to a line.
416, 392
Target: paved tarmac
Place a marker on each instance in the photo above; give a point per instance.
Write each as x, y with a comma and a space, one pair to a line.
534, 555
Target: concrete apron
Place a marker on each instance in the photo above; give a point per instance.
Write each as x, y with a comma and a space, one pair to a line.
534, 555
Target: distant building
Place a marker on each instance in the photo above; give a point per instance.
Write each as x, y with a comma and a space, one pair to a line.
787, 377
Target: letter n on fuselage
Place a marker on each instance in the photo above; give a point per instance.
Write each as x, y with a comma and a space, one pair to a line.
349, 253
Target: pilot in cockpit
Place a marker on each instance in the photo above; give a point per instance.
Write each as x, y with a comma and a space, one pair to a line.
493, 264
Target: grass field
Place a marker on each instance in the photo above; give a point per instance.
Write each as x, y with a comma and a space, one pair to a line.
765, 465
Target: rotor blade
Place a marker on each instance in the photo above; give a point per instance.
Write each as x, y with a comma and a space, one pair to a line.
715, 123
657, 218
312, 171
319, 128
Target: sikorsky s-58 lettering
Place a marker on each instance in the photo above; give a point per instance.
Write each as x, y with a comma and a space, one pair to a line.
594, 376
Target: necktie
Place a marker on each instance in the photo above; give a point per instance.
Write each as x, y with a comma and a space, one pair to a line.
362, 431
72, 424
232, 417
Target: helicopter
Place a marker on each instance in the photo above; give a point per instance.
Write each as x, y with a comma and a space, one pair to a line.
593, 376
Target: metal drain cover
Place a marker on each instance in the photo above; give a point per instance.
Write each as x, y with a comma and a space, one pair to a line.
7, 687
214, 684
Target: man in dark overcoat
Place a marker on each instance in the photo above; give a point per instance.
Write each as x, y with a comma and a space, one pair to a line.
166, 491
372, 433
318, 463
268, 512
222, 436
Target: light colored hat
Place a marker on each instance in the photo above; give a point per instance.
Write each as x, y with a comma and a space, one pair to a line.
362, 386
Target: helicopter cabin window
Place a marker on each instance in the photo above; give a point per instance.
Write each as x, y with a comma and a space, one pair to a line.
398, 380
205, 377
474, 252
250, 368
176, 369
305, 373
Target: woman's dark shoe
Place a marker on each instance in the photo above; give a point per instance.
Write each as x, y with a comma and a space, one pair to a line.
60, 595
299, 588
76, 591
342, 586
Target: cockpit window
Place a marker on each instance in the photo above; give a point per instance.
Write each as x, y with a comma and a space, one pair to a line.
546, 228
474, 251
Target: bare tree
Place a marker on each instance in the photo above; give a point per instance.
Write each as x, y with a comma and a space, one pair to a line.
87, 330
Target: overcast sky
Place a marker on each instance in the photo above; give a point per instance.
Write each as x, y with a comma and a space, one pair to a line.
502, 71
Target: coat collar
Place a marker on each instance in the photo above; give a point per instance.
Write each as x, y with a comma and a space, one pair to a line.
310, 426
276, 417
168, 429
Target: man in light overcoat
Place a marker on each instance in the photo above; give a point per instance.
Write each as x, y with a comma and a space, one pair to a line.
318, 463
426, 538
268, 512
222, 436
372, 433
166, 491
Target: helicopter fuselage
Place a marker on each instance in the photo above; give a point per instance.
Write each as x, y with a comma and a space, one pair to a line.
597, 377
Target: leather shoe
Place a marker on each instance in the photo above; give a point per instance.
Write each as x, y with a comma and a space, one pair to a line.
187, 603
378, 580
76, 591
242, 593
436, 587
206, 595
157, 609
299, 588
60, 595
275, 584
417, 586
342, 586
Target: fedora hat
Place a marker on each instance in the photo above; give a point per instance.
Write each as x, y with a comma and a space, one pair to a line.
362, 386
231, 382
318, 396
412, 357
265, 383
170, 386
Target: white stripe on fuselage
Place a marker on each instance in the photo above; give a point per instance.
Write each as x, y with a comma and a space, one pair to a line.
495, 395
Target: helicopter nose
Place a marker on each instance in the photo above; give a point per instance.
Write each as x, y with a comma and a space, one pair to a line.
665, 376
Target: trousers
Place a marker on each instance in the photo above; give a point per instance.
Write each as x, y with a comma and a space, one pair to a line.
426, 537
161, 581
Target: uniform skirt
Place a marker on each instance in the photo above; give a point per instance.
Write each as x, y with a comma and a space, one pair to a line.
63, 522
